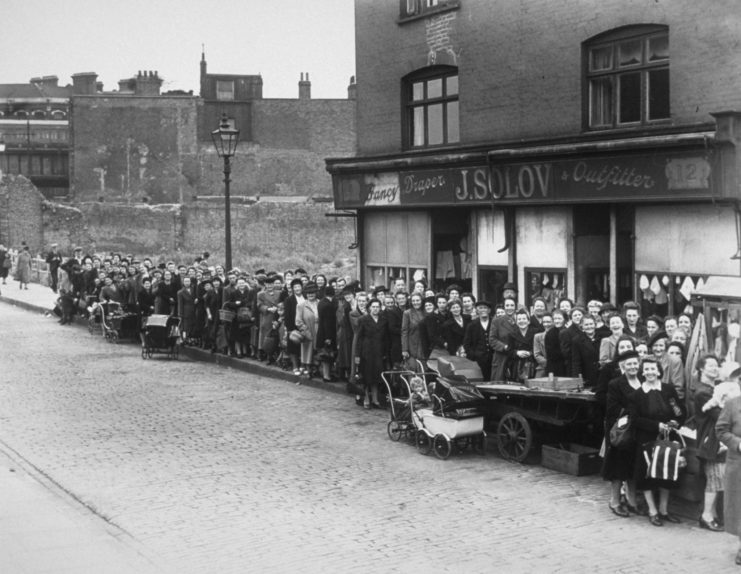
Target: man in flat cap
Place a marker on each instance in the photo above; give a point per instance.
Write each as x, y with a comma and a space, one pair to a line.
54, 260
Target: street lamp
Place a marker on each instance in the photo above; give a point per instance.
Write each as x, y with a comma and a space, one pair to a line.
225, 141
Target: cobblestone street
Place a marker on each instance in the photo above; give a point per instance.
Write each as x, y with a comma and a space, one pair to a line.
212, 470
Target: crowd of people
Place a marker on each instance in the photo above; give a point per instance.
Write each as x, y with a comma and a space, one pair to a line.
332, 328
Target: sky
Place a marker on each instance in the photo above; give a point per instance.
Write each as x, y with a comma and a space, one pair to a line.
278, 39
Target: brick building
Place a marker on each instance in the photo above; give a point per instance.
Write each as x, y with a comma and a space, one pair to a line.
587, 149
34, 133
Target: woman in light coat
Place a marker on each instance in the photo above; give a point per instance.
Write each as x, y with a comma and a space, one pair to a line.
412, 343
307, 321
23, 268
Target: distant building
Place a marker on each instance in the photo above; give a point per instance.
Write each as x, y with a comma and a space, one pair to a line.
34, 133
586, 149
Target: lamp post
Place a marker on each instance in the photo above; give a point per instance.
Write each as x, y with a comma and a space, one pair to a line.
225, 141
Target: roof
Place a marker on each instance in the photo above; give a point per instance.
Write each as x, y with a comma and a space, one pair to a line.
717, 287
27, 91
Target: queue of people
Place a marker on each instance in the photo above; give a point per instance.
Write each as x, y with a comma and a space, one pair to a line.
331, 328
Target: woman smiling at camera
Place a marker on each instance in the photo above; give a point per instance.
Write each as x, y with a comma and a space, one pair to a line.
654, 408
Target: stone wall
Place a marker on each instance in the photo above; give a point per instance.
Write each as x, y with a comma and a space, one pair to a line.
20, 213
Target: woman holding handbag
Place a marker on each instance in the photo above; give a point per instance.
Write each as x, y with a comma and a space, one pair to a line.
618, 464
654, 408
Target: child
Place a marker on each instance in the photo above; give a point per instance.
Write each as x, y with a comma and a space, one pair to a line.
726, 390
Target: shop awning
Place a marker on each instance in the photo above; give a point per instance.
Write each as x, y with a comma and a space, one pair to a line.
718, 287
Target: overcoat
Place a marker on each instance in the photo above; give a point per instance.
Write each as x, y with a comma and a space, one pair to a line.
412, 340
266, 300
371, 342
186, 310
453, 333
728, 430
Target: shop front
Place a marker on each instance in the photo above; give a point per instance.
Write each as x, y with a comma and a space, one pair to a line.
616, 220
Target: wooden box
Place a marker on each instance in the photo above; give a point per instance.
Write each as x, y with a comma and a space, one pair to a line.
571, 458
557, 384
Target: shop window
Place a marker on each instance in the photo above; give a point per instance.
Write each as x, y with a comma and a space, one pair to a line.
491, 282
627, 77
386, 275
665, 294
548, 283
224, 90
431, 107
598, 284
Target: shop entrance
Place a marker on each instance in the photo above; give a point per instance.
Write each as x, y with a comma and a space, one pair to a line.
451, 249
598, 229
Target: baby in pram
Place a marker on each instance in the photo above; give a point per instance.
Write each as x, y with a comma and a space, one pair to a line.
419, 399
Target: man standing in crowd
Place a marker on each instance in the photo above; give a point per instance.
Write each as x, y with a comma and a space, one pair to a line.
476, 339
501, 329
54, 260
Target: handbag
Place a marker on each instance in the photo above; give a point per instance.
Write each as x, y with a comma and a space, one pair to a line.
244, 315
296, 337
622, 434
664, 457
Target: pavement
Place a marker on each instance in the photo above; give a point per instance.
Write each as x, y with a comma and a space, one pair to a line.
113, 464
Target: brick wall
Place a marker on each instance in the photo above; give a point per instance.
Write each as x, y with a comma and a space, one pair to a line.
128, 148
65, 225
520, 68
20, 213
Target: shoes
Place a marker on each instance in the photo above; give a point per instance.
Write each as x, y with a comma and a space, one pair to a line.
297, 372
637, 510
376, 406
305, 372
619, 510
655, 519
366, 406
359, 401
668, 517
738, 558
711, 525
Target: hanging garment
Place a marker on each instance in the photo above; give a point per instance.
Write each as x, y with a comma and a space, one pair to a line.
445, 266
655, 285
661, 297
545, 280
643, 283
688, 286
665, 280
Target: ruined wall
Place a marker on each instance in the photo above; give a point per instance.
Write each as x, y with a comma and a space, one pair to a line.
20, 213
130, 148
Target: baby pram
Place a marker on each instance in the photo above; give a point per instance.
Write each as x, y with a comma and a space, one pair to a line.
107, 317
452, 416
160, 334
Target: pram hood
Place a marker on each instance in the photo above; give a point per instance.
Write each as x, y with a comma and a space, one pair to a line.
455, 394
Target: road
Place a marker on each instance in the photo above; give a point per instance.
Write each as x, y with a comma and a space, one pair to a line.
213, 470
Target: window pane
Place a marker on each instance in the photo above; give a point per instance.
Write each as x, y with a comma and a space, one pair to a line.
658, 48
418, 126
418, 91
658, 94
224, 90
435, 124
630, 53
601, 102
435, 88
453, 129
451, 85
600, 59
630, 98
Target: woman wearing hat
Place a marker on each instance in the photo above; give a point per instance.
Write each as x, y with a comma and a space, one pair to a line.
307, 322
618, 464
370, 348
291, 304
267, 306
412, 344
23, 268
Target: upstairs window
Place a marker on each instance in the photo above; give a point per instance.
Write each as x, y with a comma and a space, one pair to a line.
412, 9
431, 102
224, 90
627, 74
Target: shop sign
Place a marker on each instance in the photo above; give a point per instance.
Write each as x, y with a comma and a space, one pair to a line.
648, 177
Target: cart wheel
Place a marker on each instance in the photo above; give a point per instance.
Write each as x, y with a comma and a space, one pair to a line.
443, 447
424, 444
514, 437
395, 430
479, 443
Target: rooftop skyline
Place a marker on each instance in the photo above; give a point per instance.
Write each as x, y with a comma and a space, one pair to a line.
279, 40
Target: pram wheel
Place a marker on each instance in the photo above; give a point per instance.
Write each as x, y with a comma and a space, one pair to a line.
514, 437
424, 444
395, 430
443, 446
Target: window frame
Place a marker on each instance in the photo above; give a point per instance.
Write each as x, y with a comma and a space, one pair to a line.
616, 73
563, 272
409, 105
410, 10
220, 92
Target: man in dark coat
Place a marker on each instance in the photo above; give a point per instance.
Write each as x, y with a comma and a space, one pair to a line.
585, 353
54, 260
326, 335
476, 339
569, 333
499, 334
370, 348
394, 316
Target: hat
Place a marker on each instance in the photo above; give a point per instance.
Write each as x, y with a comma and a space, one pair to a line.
430, 300
76, 249
453, 287
631, 354
483, 303
729, 369
295, 282
347, 291
311, 288
608, 307
656, 337
379, 289
509, 286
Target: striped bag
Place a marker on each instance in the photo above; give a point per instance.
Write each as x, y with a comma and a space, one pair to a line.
664, 457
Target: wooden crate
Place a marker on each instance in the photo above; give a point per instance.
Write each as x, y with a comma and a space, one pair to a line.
571, 458
557, 384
